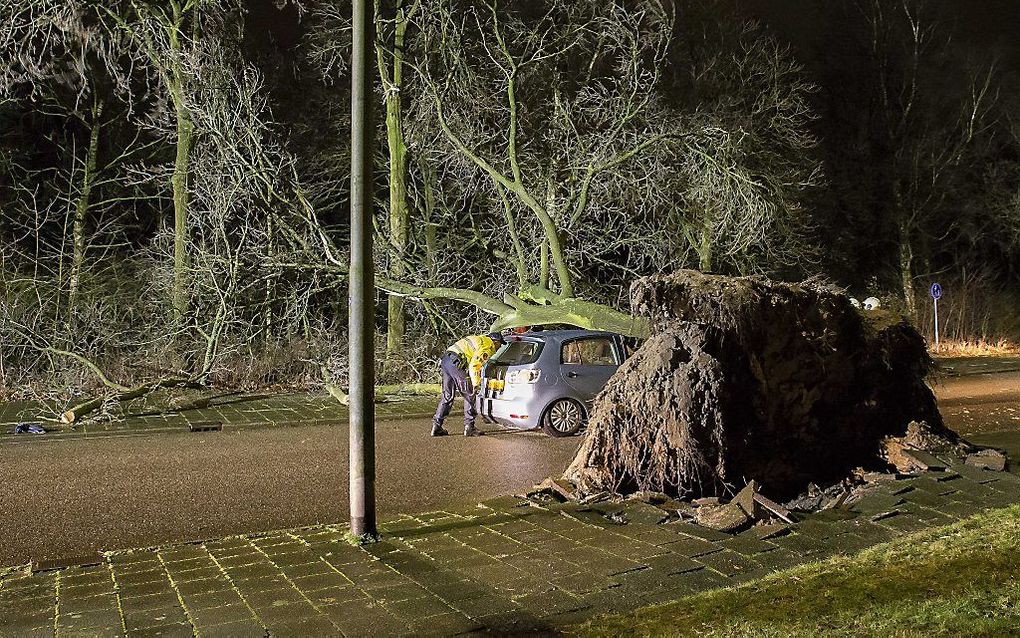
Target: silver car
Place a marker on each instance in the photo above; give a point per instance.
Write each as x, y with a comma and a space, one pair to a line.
548, 379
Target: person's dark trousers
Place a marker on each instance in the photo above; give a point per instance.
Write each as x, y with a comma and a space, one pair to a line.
455, 381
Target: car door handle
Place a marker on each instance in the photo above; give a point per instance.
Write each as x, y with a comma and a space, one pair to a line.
572, 375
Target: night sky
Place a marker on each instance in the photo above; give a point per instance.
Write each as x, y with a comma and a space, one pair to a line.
989, 26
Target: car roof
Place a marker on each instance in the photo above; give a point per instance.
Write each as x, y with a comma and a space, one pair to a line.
562, 335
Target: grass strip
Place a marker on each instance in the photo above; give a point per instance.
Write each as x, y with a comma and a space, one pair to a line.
959, 580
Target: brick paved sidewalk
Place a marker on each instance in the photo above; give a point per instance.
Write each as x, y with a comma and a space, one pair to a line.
506, 565
230, 412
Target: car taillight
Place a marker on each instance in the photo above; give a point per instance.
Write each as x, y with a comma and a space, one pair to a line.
523, 376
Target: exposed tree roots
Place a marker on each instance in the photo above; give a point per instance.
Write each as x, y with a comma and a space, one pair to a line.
744, 379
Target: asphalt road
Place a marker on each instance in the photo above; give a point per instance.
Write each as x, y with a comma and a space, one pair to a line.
66, 498
980, 403
62, 499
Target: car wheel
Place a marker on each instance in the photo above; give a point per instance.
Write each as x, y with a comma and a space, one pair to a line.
563, 418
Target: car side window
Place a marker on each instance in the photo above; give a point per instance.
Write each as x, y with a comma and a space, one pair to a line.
596, 351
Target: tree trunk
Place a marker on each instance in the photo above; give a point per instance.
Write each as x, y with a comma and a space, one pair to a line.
87, 407
907, 275
705, 250
906, 256
179, 180
185, 131
399, 218
82, 207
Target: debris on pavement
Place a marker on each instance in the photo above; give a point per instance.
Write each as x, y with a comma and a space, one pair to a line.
727, 517
29, 428
987, 459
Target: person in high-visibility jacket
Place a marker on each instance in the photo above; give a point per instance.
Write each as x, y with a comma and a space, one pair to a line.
462, 374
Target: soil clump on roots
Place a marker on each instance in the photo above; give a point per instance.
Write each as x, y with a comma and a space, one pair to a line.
744, 378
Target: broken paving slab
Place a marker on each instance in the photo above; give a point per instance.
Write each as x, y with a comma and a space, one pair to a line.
925, 460
987, 459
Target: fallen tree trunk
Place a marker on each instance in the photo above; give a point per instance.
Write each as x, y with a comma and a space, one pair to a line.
743, 379
87, 407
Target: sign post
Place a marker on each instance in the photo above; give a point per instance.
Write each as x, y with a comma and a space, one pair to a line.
936, 294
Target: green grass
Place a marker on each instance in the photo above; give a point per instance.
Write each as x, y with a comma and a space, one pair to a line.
960, 580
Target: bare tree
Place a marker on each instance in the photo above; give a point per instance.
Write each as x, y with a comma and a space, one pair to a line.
563, 112
931, 117
169, 37
62, 62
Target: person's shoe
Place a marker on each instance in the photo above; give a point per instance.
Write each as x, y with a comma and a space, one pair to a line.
473, 431
438, 430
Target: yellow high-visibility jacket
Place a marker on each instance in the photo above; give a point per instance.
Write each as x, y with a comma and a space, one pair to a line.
475, 351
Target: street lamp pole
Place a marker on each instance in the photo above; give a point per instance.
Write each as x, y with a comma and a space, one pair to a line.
362, 289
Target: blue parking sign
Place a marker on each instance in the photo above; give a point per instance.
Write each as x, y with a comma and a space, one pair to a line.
936, 291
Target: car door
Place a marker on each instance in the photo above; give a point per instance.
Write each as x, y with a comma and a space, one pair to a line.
586, 363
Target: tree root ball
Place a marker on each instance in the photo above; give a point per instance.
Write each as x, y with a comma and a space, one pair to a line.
742, 379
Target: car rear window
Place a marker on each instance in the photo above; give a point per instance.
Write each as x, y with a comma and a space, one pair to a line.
518, 353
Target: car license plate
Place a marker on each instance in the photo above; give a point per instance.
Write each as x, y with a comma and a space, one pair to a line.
495, 384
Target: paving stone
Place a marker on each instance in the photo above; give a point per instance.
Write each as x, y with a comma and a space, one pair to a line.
273, 598
187, 565
801, 544
246, 629
317, 582
747, 546
976, 474
905, 523
72, 605
166, 600
170, 630
159, 617
691, 546
81, 577
960, 510
220, 615
285, 613
673, 563
450, 624
480, 606
140, 577
697, 531
97, 621
336, 595
86, 590
422, 607
583, 583
610, 565
301, 628
644, 580
134, 560
551, 602
764, 532
875, 503
923, 497
653, 534
929, 484
728, 562
364, 622
780, 559
146, 589
703, 579
644, 513
193, 587
183, 554
213, 599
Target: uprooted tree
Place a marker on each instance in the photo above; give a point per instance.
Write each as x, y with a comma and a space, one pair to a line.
742, 379
557, 116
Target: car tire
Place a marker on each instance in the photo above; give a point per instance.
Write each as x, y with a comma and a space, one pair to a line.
565, 417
